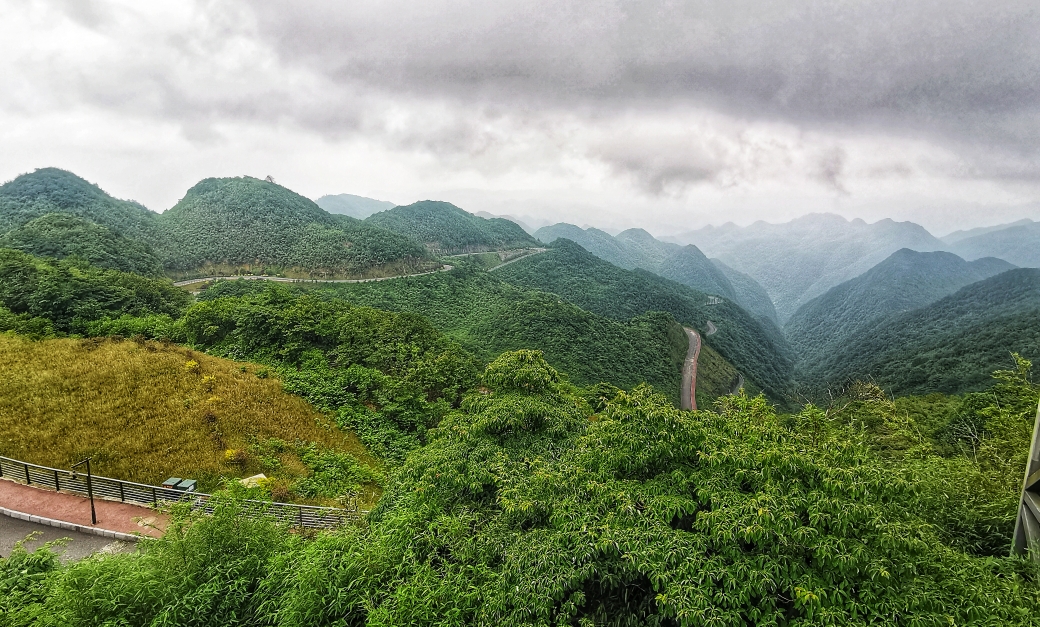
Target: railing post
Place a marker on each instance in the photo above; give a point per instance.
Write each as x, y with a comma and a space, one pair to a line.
121, 497
57, 488
155, 500
300, 510
28, 481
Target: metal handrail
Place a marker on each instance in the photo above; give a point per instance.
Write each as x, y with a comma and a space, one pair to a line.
61, 480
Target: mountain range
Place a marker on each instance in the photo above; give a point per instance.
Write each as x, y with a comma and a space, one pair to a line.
905, 281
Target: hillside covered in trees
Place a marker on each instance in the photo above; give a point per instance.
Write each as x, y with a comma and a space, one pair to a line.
488, 316
222, 226
246, 222
906, 280
445, 228
756, 350
949, 346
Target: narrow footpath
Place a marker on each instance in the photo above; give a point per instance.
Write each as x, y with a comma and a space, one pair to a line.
71, 508
689, 376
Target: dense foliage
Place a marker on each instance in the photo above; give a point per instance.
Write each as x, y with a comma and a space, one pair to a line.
244, 221
41, 297
444, 227
530, 507
50, 190
906, 280
950, 346
488, 316
60, 235
757, 349
388, 376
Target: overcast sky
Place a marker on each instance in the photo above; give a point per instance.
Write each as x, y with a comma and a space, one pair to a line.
662, 114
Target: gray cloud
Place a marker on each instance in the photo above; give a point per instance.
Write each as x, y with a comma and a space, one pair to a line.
663, 95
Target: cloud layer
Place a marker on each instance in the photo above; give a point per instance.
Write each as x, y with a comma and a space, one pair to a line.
661, 111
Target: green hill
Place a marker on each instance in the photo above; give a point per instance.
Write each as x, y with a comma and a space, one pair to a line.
61, 235
247, 224
50, 190
44, 297
949, 346
635, 248
570, 271
489, 316
444, 228
907, 280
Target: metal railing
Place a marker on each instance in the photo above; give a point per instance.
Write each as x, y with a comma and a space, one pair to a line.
306, 516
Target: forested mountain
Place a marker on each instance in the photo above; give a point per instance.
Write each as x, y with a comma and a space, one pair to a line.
354, 206
907, 280
759, 352
1018, 244
801, 259
50, 190
689, 266
949, 346
749, 293
635, 248
597, 242
445, 228
61, 235
488, 316
524, 224
245, 222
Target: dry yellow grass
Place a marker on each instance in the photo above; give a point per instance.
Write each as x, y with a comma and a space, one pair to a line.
148, 411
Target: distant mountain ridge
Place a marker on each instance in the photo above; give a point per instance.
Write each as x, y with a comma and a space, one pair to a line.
798, 260
957, 236
636, 248
905, 281
1018, 243
354, 206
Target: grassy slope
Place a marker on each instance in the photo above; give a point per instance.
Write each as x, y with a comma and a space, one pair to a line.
144, 415
758, 351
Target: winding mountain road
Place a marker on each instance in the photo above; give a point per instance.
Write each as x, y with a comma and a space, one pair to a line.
689, 375
711, 329
534, 252
281, 279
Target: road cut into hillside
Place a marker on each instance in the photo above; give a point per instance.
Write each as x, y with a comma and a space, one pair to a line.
282, 279
689, 376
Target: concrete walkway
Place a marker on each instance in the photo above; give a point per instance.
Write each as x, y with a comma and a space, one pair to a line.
79, 545
71, 508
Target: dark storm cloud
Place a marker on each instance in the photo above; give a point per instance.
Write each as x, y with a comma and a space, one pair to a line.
965, 69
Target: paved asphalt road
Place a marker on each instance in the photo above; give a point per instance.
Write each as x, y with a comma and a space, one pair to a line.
81, 545
689, 378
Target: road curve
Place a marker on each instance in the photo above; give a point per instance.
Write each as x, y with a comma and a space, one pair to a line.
530, 254
711, 329
281, 279
689, 374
